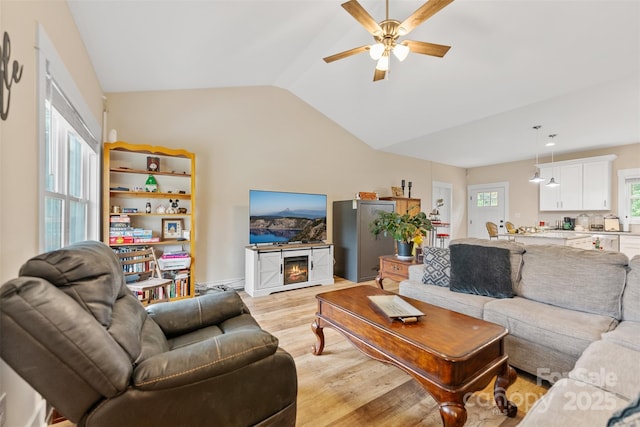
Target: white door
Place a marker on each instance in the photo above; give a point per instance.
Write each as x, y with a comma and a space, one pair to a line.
487, 202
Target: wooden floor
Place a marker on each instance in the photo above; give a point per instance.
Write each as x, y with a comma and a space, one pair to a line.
343, 387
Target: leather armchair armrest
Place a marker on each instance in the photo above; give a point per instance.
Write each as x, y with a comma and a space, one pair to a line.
180, 317
206, 359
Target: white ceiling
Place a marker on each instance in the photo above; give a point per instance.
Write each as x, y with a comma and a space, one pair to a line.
571, 66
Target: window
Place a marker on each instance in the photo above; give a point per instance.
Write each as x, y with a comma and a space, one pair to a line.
71, 177
629, 195
487, 198
69, 158
632, 191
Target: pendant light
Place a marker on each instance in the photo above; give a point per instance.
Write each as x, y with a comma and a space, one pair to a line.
552, 182
536, 178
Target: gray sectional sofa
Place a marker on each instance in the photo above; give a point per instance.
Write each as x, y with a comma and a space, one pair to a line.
573, 318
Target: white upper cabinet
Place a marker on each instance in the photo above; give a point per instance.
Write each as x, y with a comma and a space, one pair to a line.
585, 184
597, 185
568, 195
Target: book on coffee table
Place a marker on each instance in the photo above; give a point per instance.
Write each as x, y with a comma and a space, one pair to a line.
396, 308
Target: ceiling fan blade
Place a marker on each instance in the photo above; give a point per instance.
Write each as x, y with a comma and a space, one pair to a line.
427, 48
423, 13
346, 53
362, 16
378, 75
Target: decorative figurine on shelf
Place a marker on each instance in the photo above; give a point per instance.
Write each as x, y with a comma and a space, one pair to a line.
161, 209
151, 186
147, 208
153, 164
173, 209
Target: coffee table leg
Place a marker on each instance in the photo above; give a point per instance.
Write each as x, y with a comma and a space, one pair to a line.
317, 329
453, 414
505, 378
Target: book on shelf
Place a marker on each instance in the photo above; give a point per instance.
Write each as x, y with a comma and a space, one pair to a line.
180, 254
119, 218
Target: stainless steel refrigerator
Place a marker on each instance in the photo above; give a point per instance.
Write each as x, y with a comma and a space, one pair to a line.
356, 249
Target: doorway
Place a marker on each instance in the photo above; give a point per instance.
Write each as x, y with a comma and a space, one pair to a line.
442, 203
487, 202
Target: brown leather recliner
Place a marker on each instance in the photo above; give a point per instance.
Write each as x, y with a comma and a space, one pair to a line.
72, 329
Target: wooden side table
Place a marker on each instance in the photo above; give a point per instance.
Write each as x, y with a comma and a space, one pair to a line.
393, 268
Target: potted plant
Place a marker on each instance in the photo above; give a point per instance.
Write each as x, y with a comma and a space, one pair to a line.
405, 229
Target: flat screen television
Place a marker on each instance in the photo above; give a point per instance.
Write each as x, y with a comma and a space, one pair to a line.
279, 217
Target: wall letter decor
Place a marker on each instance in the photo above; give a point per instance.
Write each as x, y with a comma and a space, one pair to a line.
8, 77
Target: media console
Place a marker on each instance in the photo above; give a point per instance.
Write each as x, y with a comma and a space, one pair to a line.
274, 268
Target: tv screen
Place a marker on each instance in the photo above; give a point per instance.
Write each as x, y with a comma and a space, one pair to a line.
282, 217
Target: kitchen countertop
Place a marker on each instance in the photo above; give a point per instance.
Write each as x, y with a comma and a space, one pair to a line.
565, 235
589, 232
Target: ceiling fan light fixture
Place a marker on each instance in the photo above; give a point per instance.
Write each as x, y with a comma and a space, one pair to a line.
383, 63
376, 51
401, 51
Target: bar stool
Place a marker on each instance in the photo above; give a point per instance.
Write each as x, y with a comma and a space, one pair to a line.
441, 238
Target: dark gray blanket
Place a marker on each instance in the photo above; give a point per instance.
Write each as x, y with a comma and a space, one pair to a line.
481, 270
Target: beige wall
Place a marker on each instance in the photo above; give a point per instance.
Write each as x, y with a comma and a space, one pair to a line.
19, 155
523, 195
260, 138
244, 138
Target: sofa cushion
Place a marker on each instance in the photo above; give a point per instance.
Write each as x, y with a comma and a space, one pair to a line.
573, 403
565, 330
610, 367
627, 416
626, 334
583, 280
416, 272
481, 270
631, 295
471, 305
437, 266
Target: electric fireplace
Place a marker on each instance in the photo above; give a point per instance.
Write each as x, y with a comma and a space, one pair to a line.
296, 269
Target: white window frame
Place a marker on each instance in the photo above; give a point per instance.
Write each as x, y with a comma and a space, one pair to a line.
50, 64
624, 201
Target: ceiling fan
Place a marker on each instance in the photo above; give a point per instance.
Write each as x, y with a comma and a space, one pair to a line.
387, 32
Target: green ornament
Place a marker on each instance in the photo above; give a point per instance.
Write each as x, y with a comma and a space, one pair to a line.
151, 186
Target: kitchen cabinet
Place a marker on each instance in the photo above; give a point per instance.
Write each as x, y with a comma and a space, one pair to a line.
568, 195
596, 189
585, 184
630, 245
405, 205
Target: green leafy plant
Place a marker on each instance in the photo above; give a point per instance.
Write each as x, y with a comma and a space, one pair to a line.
403, 228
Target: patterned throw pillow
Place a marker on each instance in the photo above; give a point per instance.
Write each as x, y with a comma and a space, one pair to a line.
437, 266
627, 417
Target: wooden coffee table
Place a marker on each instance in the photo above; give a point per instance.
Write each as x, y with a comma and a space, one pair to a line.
450, 354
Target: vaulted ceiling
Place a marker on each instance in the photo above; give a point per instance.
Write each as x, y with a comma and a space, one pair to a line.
572, 66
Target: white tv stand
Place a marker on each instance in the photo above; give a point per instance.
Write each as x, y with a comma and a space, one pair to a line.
274, 268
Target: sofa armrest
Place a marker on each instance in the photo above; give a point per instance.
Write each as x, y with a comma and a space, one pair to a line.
180, 317
416, 272
205, 359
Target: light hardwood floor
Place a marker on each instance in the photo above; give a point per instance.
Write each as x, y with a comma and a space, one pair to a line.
343, 387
